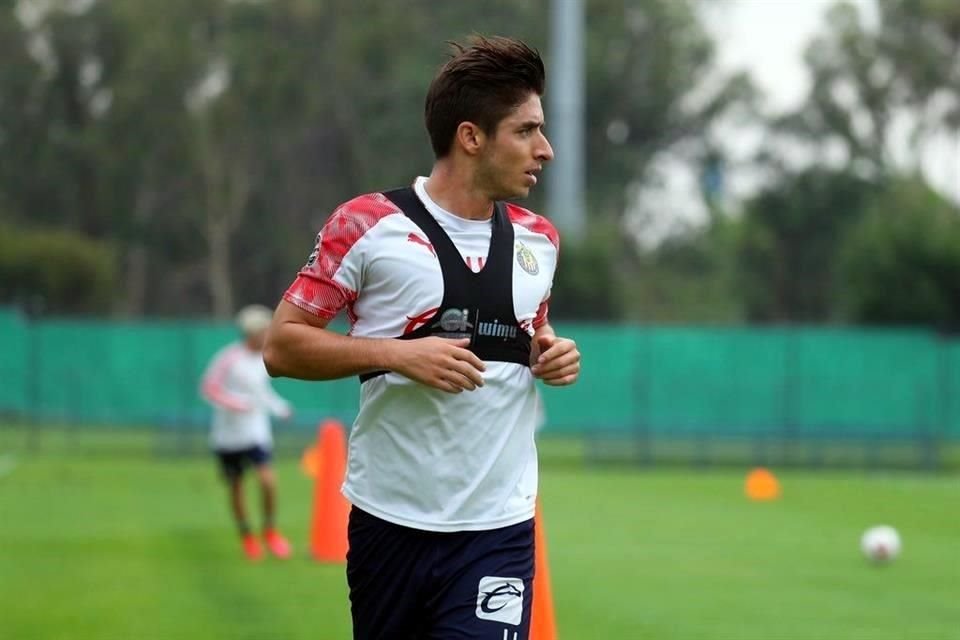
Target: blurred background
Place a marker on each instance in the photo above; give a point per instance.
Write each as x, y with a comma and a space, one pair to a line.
759, 206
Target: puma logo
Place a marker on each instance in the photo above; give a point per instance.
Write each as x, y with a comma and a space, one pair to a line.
415, 239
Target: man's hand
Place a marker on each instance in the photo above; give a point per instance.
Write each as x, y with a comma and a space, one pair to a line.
559, 361
440, 363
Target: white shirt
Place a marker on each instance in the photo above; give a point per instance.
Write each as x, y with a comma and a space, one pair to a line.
236, 383
418, 456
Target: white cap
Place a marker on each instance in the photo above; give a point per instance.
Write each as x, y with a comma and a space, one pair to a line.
253, 319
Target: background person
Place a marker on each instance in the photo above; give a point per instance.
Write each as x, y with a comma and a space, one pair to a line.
237, 385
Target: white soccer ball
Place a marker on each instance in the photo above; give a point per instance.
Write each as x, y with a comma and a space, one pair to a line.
880, 544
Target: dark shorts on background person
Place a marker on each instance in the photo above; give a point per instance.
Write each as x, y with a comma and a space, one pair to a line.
234, 463
423, 585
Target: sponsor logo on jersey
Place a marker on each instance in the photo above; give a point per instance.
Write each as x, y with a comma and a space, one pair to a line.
526, 259
500, 599
455, 321
496, 330
416, 239
312, 259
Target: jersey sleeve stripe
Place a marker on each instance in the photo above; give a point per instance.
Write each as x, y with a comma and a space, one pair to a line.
315, 290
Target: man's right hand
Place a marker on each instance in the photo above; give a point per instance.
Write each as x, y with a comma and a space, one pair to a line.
441, 363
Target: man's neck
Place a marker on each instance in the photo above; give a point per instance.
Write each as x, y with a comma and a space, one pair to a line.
455, 192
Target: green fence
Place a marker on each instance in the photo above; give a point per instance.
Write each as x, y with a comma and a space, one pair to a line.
752, 381
637, 382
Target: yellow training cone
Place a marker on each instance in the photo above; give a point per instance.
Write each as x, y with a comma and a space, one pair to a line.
762, 485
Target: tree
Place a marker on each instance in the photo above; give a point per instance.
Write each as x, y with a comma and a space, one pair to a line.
901, 265
178, 132
869, 82
55, 271
787, 244
832, 156
651, 86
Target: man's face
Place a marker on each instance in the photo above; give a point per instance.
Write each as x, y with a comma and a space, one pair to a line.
514, 155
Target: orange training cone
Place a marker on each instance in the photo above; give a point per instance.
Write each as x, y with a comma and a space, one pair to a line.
328, 526
543, 625
762, 485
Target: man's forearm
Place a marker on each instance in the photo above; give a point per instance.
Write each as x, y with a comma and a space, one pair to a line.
305, 352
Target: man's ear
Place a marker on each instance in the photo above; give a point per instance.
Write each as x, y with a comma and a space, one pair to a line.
470, 138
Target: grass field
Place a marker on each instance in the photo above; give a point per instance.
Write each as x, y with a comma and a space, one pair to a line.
123, 544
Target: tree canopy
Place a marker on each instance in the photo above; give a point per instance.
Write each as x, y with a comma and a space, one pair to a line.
191, 149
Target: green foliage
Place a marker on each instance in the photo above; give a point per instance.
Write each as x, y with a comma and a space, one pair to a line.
643, 59
869, 85
56, 271
922, 41
687, 279
180, 130
787, 244
901, 265
591, 283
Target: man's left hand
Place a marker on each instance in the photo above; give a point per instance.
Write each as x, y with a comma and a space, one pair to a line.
559, 361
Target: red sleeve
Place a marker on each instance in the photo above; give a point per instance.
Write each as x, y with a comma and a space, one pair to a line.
535, 223
541, 318
323, 286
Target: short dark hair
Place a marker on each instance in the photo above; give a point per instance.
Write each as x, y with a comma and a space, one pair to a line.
481, 83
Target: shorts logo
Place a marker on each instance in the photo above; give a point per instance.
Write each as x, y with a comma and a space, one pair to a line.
526, 259
500, 599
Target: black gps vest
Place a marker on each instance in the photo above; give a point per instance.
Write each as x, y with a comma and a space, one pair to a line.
478, 306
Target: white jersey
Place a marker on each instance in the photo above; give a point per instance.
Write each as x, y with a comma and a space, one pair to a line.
236, 383
418, 456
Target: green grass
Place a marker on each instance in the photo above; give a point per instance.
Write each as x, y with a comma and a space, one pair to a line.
123, 544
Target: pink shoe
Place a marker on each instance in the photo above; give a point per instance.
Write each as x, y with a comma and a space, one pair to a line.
277, 544
252, 548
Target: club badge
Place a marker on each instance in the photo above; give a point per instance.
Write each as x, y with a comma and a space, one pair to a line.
526, 259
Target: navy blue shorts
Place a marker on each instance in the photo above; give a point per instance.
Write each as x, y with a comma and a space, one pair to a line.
234, 463
408, 584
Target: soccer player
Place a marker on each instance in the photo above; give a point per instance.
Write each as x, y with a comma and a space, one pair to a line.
237, 385
446, 288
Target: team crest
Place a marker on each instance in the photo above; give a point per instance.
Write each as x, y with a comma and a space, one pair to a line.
526, 259
315, 253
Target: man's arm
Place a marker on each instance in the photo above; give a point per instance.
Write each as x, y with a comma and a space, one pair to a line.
300, 346
212, 386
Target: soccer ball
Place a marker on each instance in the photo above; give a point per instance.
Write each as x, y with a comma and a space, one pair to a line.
880, 544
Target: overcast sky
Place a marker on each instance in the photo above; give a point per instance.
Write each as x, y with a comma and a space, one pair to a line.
768, 37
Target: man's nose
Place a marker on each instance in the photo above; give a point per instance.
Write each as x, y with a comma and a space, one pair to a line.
545, 152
